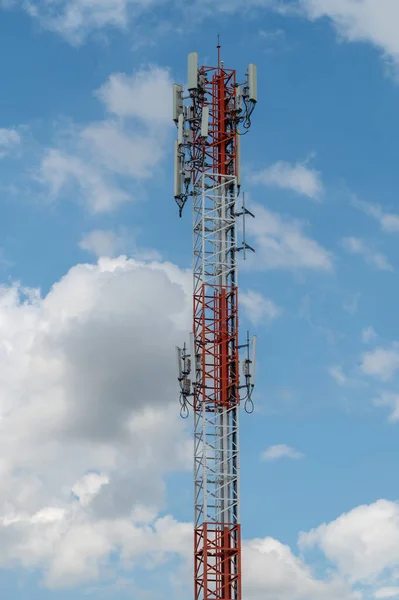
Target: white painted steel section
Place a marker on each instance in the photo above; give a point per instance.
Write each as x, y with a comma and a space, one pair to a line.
216, 450
209, 264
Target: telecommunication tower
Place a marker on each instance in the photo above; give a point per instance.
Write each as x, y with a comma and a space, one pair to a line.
207, 168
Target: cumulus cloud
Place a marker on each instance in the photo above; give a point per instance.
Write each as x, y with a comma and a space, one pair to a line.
390, 400
75, 19
387, 592
295, 177
60, 171
128, 144
336, 372
368, 334
86, 488
381, 363
389, 222
80, 386
80, 382
257, 308
133, 155
370, 21
280, 451
355, 245
102, 243
139, 96
272, 572
362, 543
109, 243
8, 139
281, 244
88, 381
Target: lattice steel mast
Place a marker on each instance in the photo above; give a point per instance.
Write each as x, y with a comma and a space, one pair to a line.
207, 168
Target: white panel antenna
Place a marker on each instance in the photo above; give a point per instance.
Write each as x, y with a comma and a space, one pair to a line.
179, 363
205, 122
192, 79
254, 340
238, 97
177, 169
180, 129
238, 158
177, 101
252, 82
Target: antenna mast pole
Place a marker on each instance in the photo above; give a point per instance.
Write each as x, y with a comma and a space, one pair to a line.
207, 168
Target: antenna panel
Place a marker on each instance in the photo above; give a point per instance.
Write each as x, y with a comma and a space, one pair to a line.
255, 339
252, 82
180, 129
177, 169
238, 98
238, 158
205, 122
177, 101
192, 78
179, 363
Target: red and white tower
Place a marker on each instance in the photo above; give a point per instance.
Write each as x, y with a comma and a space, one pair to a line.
210, 119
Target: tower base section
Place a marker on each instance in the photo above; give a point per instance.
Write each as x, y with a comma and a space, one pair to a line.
217, 548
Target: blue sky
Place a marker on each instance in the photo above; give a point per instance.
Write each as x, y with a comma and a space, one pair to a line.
95, 464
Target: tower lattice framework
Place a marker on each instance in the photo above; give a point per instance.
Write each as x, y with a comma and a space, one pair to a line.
208, 162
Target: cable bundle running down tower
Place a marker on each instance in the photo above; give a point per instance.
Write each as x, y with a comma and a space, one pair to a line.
207, 168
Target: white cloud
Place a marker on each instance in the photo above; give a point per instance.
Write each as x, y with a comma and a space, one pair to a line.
257, 308
108, 243
74, 19
368, 335
272, 35
102, 243
75, 550
381, 363
281, 244
272, 572
9, 137
130, 143
280, 451
387, 592
389, 222
392, 401
132, 154
355, 245
89, 486
372, 21
80, 386
298, 178
338, 375
363, 543
352, 304
60, 171
139, 95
